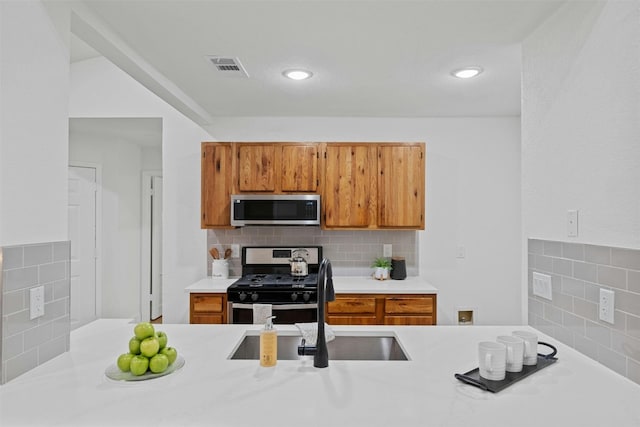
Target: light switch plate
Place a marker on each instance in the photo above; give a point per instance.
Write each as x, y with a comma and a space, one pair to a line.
387, 250
572, 223
235, 251
542, 285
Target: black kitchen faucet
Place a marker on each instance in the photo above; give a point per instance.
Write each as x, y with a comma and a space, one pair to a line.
325, 293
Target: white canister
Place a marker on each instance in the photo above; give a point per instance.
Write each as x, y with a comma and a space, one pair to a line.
220, 269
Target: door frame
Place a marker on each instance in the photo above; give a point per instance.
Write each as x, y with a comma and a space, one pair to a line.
145, 242
98, 254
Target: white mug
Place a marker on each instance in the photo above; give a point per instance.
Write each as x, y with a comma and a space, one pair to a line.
530, 347
515, 351
492, 357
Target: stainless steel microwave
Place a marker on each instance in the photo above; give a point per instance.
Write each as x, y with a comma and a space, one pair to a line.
279, 209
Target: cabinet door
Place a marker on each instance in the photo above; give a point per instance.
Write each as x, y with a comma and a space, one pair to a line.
349, 185
216, 185
352, 320
207, 308
299, 168
257, 167
408, 320
401, 186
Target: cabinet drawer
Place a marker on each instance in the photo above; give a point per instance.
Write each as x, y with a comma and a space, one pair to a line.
216, 319
352, 305
207, 303
409, 305
408, 320
352, 320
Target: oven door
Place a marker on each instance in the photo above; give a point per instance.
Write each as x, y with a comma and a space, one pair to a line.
285, 313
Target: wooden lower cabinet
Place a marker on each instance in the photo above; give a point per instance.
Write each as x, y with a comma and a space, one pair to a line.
352, 310
347, 309
208, 308
382, 309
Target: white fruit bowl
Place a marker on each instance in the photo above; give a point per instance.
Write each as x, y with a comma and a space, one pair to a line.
114, 373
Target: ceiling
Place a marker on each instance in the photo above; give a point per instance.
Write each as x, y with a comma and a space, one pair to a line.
369, 58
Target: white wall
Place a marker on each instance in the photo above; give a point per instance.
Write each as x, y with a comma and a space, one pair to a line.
122, 164
99, 89
34, 82
581, 124
472, 199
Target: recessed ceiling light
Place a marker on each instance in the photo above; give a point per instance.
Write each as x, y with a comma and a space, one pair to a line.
467, 72
297, 74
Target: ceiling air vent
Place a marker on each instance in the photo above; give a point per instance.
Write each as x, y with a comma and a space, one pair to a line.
230, 67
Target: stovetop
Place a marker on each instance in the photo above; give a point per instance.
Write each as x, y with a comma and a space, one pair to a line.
275, 281
274, 289
266, 276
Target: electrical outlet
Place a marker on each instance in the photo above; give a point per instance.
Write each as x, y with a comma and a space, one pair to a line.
607, 305
387, 250
36, 302
235, 251
542, 285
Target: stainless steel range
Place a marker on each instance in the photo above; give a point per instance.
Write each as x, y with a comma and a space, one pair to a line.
271, 275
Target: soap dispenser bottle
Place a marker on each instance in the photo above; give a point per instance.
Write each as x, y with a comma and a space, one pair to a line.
268, 344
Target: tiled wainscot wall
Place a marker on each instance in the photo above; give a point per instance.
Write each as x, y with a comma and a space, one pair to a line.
578, 271
27, 343
351, 252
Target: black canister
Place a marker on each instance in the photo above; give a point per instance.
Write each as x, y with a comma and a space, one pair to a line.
398, 268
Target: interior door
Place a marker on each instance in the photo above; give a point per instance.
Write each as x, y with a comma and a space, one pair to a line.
156, 247
82, 233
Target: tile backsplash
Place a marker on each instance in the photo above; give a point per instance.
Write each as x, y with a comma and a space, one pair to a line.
578, 271
26, 343
351, 252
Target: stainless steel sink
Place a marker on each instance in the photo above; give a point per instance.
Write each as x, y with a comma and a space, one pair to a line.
341, 348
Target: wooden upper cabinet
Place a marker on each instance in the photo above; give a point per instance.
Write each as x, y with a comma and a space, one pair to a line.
257, 167
349, 185
299, 168
277, 167
363, 185
401, 174
217, 184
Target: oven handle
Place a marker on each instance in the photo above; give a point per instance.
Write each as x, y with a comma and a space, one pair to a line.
276, 307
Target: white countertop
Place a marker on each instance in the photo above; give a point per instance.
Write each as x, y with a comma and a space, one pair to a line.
342, 284
211, 390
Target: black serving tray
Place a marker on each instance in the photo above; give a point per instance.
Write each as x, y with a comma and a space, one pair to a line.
473, 377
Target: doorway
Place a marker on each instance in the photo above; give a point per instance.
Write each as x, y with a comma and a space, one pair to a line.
151, 289
84, 225
124, 148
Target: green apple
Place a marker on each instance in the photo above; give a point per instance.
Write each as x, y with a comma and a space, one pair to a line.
124, 361
171, 353
158, 363
143, 330
162, 339
134, 346
139, 365
149, 346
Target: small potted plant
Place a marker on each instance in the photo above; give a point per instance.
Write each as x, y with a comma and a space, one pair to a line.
382, 267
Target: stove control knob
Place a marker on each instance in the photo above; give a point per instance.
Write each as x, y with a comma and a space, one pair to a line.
306, 296
242, 296
294, 296
254, 297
